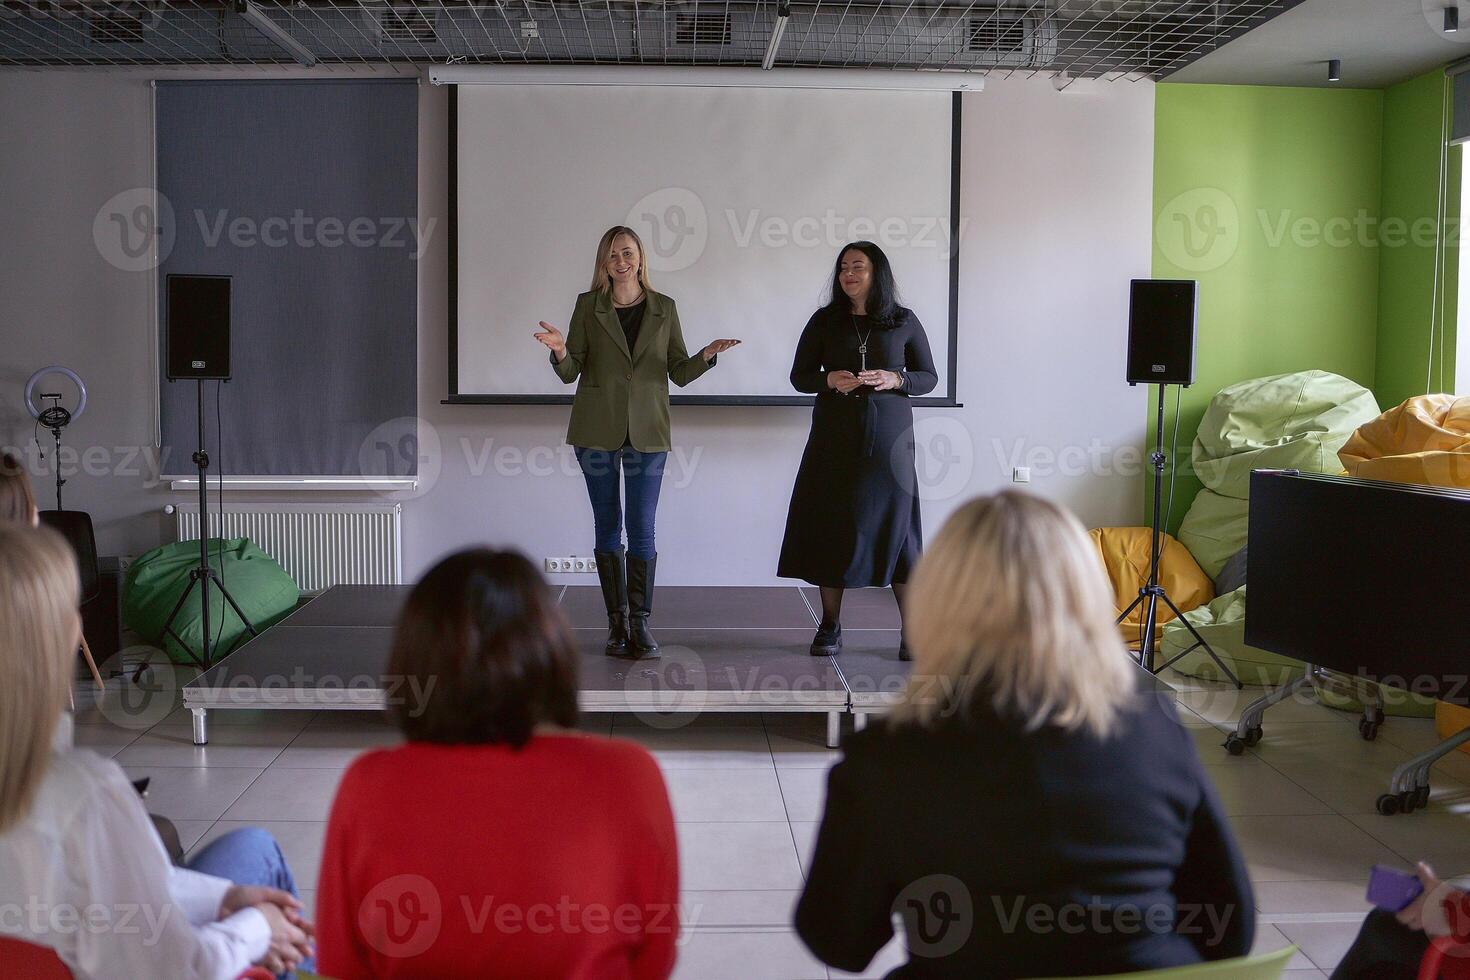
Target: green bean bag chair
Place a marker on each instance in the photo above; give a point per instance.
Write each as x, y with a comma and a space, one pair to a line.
265, 593
1288, 421
1222, 624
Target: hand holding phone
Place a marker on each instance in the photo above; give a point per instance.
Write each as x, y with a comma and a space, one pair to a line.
1393, 890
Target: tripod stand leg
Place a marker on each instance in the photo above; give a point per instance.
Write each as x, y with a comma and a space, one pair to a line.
244, 620
91, 664
1199, 641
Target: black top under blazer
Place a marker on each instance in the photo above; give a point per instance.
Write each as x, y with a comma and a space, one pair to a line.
1075, 857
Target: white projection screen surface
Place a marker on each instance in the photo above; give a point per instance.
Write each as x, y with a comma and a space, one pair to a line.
743, 198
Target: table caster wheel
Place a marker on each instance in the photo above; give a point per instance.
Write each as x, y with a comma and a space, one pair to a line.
1408, 801
1421, 797
1368, 729
1253, 735
1388, 804
1235, 745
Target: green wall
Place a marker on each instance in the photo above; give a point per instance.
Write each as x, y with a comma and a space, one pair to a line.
1263, 195
1406, 319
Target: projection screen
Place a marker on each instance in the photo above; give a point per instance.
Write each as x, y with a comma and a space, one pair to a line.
743, 198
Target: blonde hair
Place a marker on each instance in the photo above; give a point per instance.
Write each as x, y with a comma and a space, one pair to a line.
17, 502
1010, 607
601, 281
39, 630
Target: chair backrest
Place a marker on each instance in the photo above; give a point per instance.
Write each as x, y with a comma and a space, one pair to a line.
76, 527
28, 961
1267, 966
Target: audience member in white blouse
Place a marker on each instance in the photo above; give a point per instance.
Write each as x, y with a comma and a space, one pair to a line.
81, 869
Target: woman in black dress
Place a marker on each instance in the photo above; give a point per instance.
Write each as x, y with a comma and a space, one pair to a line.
854, 517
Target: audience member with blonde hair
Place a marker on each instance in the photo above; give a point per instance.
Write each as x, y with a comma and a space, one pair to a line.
1028, 810
77, 853
17, 500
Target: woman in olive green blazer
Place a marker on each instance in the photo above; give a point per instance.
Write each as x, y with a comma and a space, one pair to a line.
625, 345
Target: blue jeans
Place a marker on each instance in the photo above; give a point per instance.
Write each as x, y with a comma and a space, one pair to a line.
249, 856
642, 475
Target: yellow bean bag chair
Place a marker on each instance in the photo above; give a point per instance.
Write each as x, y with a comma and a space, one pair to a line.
1125, 556
1425, 440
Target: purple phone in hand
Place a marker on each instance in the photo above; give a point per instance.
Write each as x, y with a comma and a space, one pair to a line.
1392, 890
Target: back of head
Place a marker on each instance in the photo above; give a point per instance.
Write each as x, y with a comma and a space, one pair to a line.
17, 501
39, 630
1009, 611
485, 653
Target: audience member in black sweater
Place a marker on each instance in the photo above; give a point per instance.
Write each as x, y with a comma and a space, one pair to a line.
1027, 811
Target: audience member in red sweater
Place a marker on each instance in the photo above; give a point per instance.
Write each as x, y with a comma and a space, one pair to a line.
497, 842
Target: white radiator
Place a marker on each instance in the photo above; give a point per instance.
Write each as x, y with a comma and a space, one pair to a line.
319, 545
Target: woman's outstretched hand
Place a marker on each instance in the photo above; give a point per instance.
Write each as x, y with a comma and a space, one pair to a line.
715, 347
843, 382
552, 338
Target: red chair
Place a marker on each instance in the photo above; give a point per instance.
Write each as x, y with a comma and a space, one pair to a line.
28, 961
1446, 959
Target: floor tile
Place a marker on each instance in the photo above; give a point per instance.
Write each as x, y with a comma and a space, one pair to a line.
651, 720
190, 831
702, 747
287, 794
229, 745
1261, 790
772, 955
105, 740
737, 856
183, 718
1308, 848
192, 794
1269, 939
300, 841
1441, 839
722, 909
805, 835
1341, 769
1299, 897
1324, 943
335, 747
798, 749
710, 795
805, 792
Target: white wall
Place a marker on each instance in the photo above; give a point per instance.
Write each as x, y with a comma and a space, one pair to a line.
1057, 198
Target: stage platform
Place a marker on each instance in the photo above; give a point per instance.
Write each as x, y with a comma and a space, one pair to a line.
725, 649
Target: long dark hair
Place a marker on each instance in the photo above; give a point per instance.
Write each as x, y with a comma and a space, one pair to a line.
490, 653
883, 306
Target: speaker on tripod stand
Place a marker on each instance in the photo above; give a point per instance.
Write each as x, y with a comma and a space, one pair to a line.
1161, 334
198, 340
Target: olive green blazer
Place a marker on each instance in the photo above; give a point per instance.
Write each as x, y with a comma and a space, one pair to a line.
623, 394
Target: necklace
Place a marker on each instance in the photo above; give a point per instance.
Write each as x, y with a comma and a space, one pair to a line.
636, 300
862, 343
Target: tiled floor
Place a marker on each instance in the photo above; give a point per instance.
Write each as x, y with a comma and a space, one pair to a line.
747, 794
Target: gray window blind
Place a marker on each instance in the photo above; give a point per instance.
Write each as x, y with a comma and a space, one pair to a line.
1460, 122
305, 193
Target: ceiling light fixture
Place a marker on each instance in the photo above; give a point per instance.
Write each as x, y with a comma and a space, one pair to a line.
1334, 70
1451, 19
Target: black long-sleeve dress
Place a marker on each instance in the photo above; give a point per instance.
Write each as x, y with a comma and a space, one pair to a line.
854, 516
1026, 854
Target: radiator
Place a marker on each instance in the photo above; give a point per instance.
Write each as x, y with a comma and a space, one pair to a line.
319, 545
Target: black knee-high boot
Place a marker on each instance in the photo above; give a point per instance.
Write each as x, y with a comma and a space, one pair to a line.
640, 606
614, 580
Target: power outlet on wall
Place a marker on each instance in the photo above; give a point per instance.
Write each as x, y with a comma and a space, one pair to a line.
572, 564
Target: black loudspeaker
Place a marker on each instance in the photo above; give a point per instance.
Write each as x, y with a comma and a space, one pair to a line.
1161, 315
198, 316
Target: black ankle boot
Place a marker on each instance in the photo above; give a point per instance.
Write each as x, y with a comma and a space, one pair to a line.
640, 606
614, 581
828, 641
903, 650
